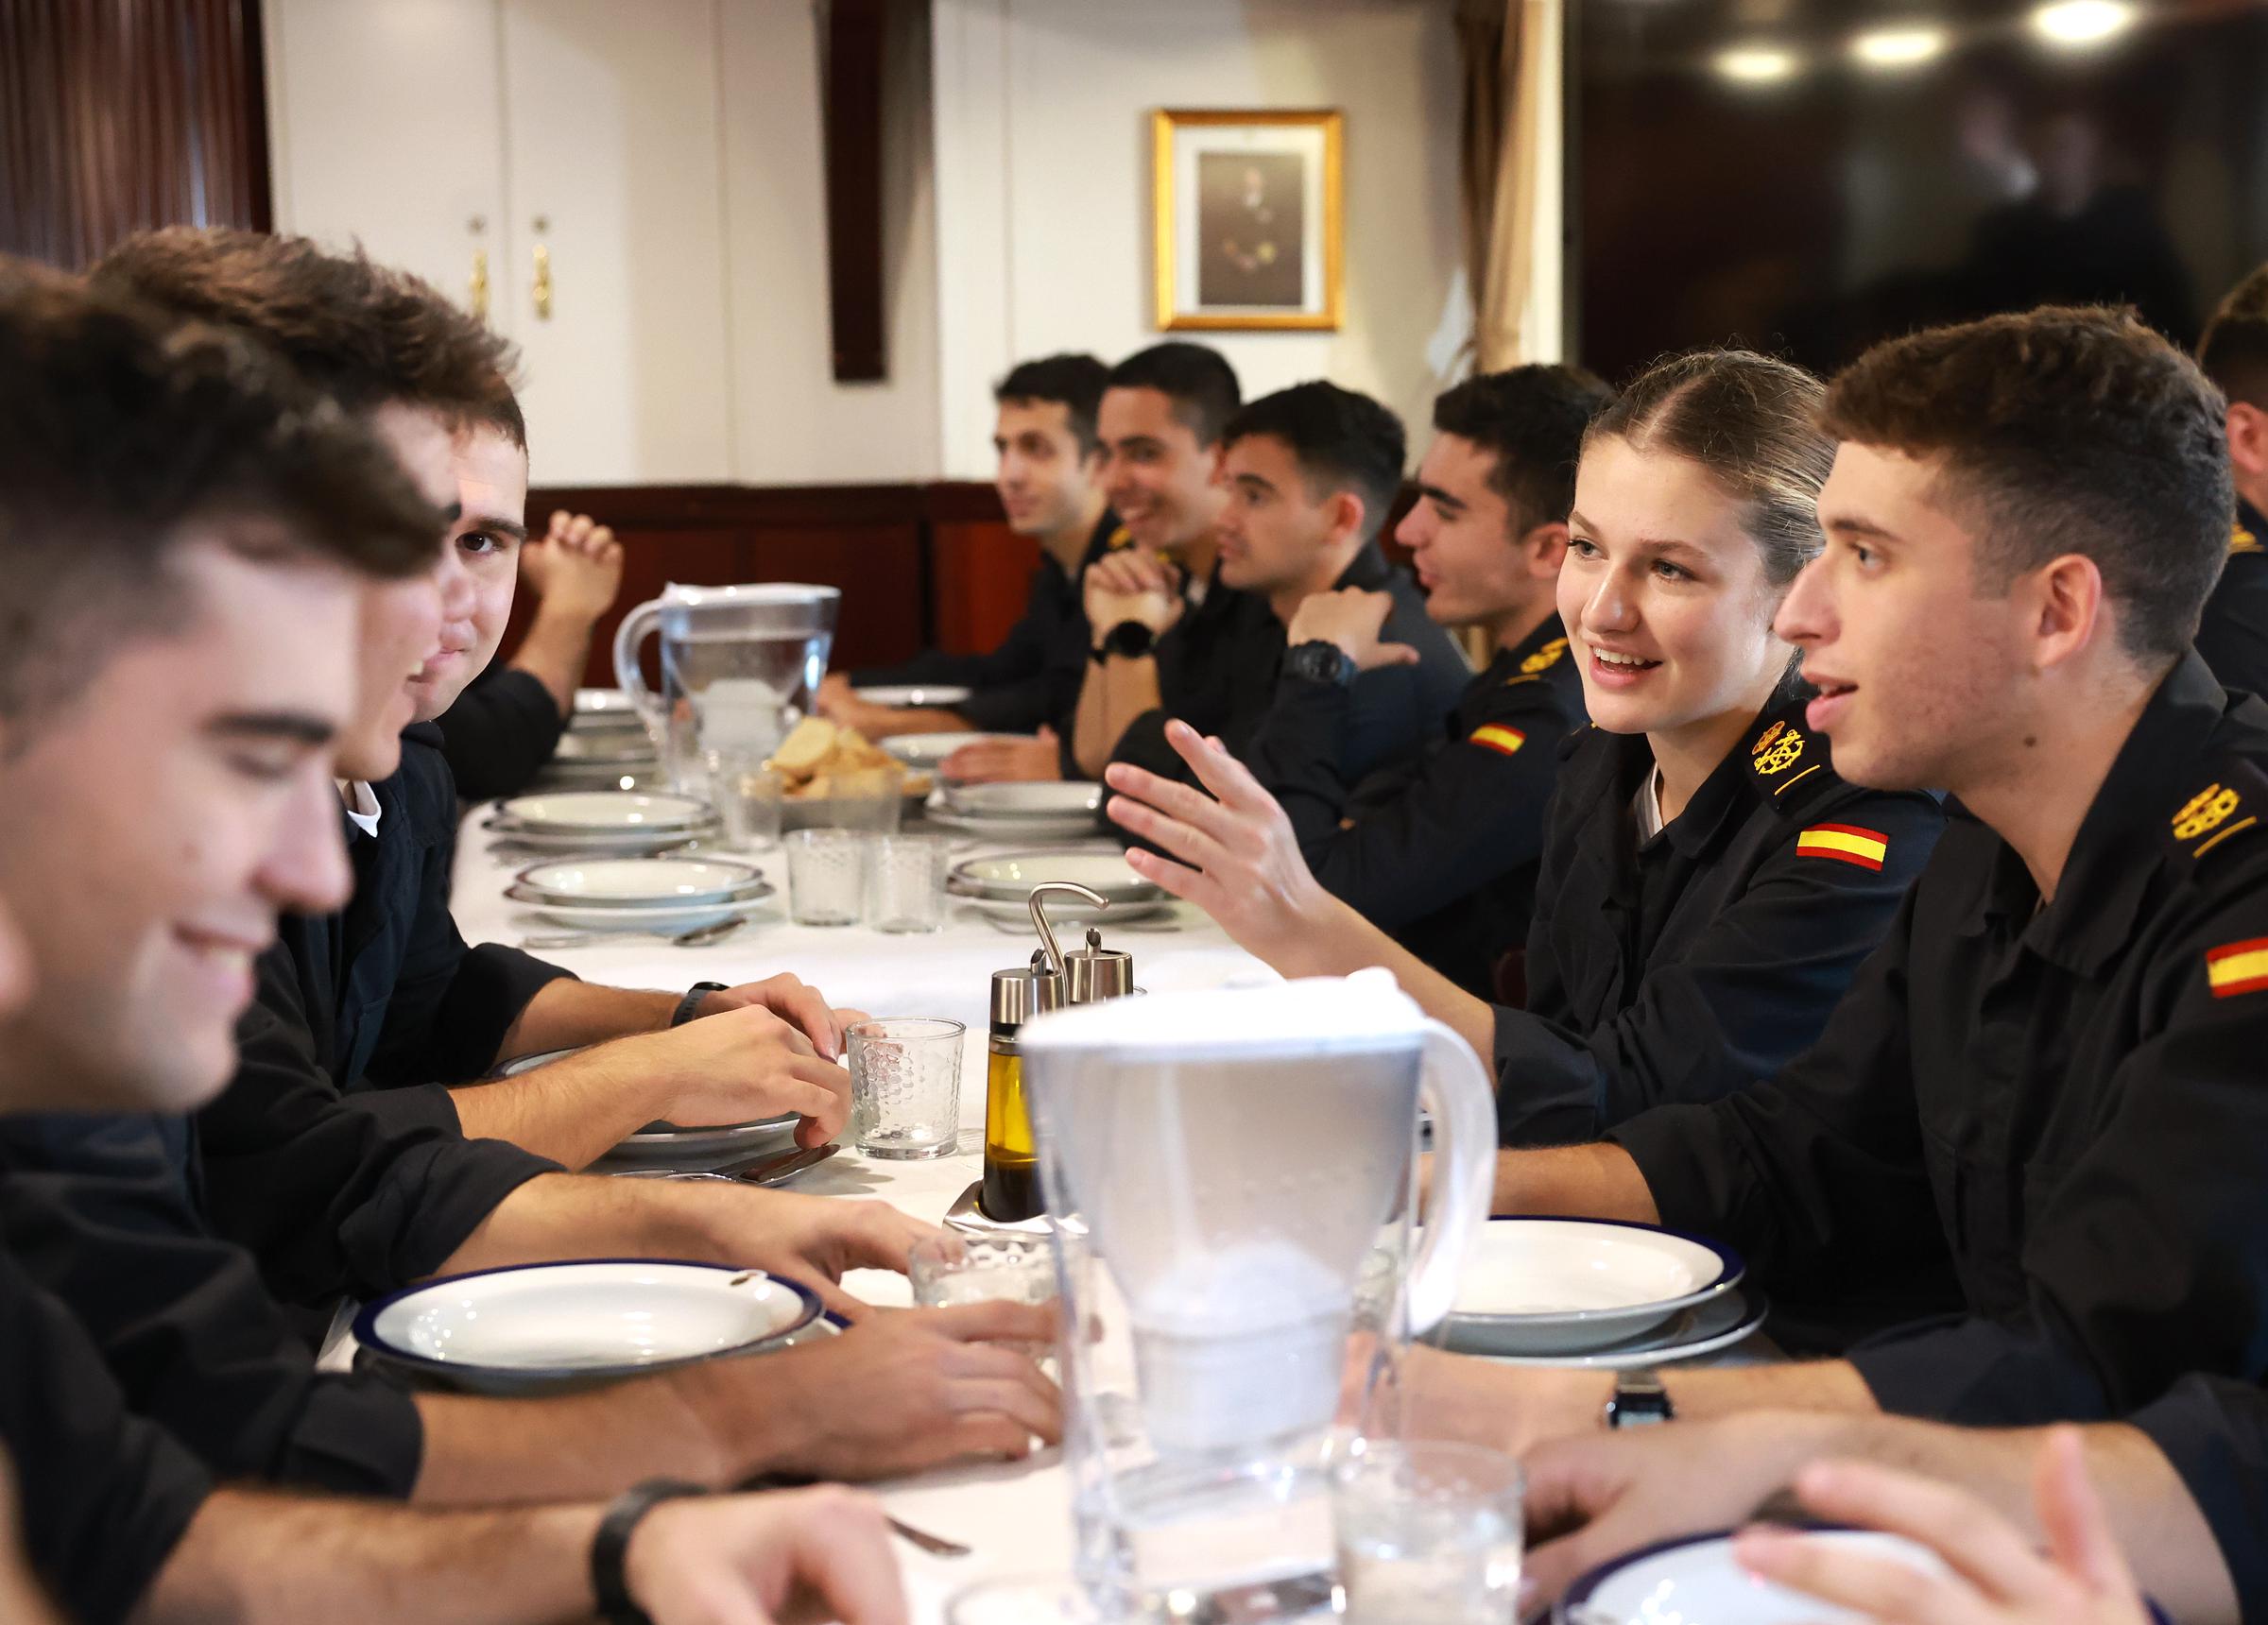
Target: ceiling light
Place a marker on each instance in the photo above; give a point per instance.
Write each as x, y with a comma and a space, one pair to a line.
1898, 47
1755, 64
2082, 21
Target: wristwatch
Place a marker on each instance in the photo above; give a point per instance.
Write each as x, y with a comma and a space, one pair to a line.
1319, 661
1129, 640
1639, 1401
612, 1543
689, 1006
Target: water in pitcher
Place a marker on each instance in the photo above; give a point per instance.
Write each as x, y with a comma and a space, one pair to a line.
736, 691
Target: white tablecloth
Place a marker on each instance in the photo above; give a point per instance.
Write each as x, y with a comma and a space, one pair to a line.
1016, 1519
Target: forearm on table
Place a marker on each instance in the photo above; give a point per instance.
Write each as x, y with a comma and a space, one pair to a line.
1114, 694
589, 1215
577, 1447
1578, 1181
254, 1559
1826, 1385
566, 1014
573, 1111
556, 652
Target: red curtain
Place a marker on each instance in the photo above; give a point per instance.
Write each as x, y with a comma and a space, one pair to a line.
121, 114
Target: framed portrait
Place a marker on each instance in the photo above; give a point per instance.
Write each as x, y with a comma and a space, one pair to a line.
1249, 219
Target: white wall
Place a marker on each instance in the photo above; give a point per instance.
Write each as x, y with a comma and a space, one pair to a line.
1043, 184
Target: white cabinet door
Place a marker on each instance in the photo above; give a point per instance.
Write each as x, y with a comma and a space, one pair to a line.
387, 125
614, 170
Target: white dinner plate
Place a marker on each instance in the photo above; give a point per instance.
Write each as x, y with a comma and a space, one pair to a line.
671, 917
534, 1326
1697, 1582
1006, 831
914, 694
929, 749
614, 747
1687, 1335
604, 812
603, 703
634, 843
1044, 799
1012, 875
1556, 1285
620, 880
1063, 909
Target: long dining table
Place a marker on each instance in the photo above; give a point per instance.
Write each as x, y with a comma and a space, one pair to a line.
1015, 1518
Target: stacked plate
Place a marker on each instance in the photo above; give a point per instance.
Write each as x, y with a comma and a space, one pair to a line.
1591, 1292
926, 751
1698, 1580
550, 1328
640, 893
1040, 811
614, 822
919, 696
1000, 884
605, 746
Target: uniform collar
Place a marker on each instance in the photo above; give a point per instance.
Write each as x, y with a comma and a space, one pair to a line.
1368, 570
1534, 654
2117, 851
2251, 533
1773, 754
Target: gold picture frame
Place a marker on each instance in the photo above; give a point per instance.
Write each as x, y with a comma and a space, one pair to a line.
1248, 224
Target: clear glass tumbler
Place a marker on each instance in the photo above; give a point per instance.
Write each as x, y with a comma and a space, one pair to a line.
748, 797
905, 882
905, 1086
826, 876
1428, 1534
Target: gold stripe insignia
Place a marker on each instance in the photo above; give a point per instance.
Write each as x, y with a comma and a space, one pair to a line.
2243, 540
1497, 737
2238, 968
1845, 844
1545, 657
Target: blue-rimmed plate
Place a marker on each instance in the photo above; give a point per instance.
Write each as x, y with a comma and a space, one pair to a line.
545, 1328
1547, 1286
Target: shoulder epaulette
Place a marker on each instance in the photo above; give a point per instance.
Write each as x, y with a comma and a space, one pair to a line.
1788, 767
1119, 540
1540, 660
2227, 809
2243, 540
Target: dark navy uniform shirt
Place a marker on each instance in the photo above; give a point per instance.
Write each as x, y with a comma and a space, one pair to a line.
1440, 852
2233, 636
2061, 1111
1686, 969
499, 732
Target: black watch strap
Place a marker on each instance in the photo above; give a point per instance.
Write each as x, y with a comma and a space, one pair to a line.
689, 1005
1320, 661
613, 1543
1129, 640
1639, 1401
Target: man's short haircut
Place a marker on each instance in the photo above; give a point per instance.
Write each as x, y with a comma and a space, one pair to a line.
362, 333
1530, 420
2234, 350
2063, 430
125, 436
1196, 378
1343, 441
1075, 383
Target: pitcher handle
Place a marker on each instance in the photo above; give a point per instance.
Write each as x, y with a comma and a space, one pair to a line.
1462, 1097
628, 636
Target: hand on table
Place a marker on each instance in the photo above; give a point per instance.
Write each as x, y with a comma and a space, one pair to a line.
1135, 585
1997, 1578
795, 1001
1002, 761
1239, 860
811, 1239
575, 567
908, 1390
786, 1555
746, 1063
1352, 619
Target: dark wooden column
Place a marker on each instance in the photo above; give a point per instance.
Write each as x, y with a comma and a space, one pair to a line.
851, 99
121, 114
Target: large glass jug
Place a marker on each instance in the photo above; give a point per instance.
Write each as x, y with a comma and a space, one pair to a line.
739, 668
1219, 1168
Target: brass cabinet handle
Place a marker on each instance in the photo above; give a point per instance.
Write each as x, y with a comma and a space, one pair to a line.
542, 284
476, 288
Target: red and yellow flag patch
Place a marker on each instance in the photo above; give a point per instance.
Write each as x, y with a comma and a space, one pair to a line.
1845, 844
1499, 737
2238, 968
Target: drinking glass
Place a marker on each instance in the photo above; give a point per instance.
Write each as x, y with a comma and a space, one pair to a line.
826, 872
905, 884
1428, 1534
747, 797
905, 1086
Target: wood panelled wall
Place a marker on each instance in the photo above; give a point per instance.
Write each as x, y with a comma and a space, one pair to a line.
121, 114
919, 565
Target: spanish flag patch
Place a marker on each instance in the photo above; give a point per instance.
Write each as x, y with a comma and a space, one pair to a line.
2238, 968
1845, 844
1499, 737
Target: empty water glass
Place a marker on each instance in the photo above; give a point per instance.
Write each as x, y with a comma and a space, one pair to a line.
905, 882
951, 1268
905, 1086
826, 876
748, 796
1428, 1534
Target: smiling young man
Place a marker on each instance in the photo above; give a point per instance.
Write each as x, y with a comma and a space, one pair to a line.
1049, 458
2041, 1091
1444, 853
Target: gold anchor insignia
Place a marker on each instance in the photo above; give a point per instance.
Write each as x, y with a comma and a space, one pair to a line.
1765, 744
1783, 755
2205, 810
1544, 656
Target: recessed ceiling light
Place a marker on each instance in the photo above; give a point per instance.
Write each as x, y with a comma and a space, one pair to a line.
2082, 21
1755, 64
1898, 47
